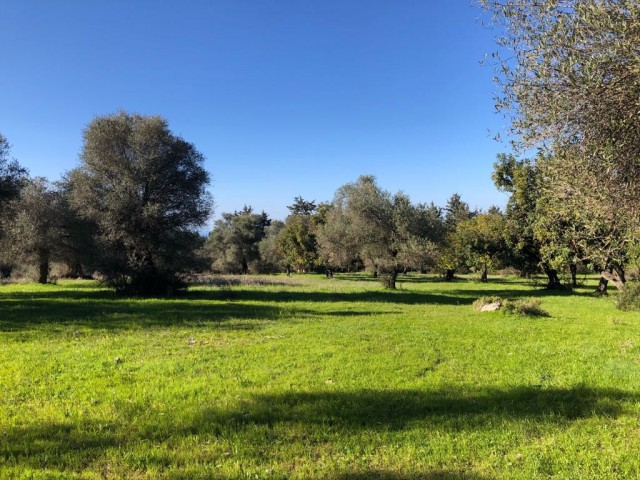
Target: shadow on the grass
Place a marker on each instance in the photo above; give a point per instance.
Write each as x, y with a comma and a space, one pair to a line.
226, 308
328, 416
101, 310
33, 311
395, 409
438, 474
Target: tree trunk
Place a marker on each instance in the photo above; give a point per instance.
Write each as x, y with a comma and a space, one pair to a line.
288, 271
390, 281
483, 276
375, 272
554, 281
43, 267
574, 275
449, 274
601, 289
615, 276
5, 271
245, 267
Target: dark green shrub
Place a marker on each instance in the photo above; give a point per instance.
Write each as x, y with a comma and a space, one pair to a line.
629, 296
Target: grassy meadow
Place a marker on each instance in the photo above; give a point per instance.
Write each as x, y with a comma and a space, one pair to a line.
315, 378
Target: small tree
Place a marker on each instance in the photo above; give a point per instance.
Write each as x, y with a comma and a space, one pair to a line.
271, 258
36, 232
233, 242
144, 188
297, 242
481, 239
381, 228
451, 256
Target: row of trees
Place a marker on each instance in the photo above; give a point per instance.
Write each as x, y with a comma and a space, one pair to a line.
132, 208
363, 227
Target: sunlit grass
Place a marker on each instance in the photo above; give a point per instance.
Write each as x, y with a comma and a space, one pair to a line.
317, 378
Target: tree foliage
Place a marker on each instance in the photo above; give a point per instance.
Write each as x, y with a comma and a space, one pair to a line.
35, 235
12, 175
297, 242
144, 188
481, 242
271, 258
570, 85
521, 180
233, 244
379, 228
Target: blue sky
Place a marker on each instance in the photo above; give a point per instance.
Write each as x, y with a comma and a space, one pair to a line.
283, 97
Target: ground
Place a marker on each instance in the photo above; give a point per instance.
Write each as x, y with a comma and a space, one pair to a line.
316, 378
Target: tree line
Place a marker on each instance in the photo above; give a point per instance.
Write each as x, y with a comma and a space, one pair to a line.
130, 213
569, 77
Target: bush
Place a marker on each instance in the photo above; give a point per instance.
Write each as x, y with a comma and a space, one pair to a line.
629, 296
529, 307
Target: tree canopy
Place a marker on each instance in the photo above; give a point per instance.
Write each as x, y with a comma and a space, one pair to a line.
233, 244
570, 80
12, 175
145, 189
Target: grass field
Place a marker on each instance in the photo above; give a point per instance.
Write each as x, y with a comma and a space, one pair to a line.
316, 378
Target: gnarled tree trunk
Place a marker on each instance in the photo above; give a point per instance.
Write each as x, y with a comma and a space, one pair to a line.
43, 266
615, 276
449, 274
390, 280
483, 276
553, 279
574, 275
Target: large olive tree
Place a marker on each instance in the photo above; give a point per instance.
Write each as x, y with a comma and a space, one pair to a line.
570, 76
145, 189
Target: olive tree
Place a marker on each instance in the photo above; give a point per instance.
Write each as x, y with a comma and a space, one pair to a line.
482, 242
145, 189
272, 259
233, 242
35, 234
570, 82
380, 227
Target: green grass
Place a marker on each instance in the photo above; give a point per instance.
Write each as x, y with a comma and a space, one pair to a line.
316, 378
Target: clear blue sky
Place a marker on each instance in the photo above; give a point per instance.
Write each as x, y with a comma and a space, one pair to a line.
283, 97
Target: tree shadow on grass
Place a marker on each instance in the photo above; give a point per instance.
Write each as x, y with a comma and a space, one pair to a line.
234, 309
436, 474
395, 409
325, 416
468, 295
401, 297
459, 296
122, 314
99, 310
